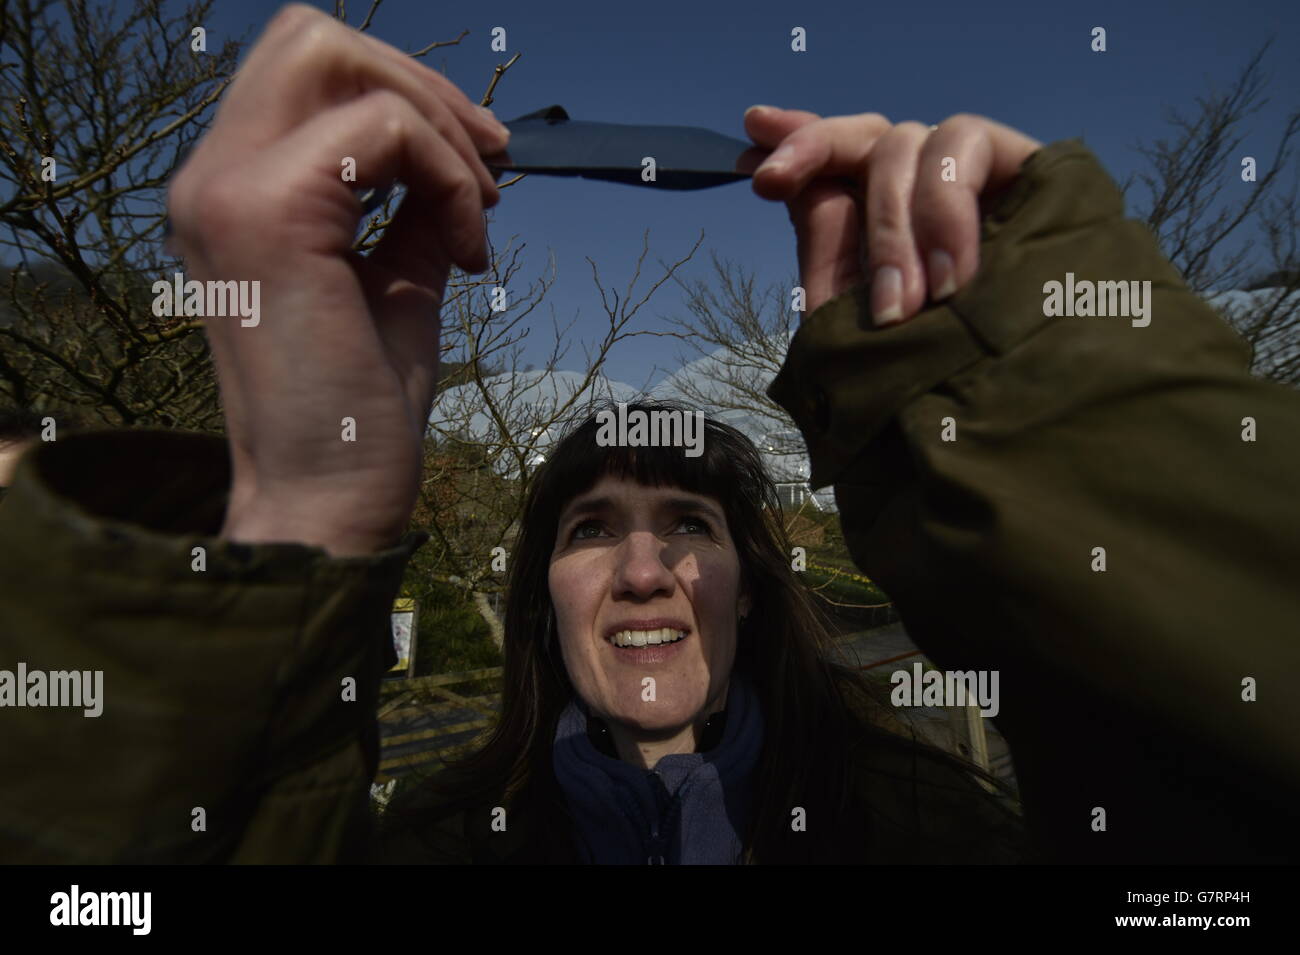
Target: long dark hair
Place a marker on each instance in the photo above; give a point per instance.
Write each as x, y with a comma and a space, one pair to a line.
819, 717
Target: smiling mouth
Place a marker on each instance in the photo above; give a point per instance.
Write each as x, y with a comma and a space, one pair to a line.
647, 638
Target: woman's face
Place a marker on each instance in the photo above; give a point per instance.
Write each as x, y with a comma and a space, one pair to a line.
631, 562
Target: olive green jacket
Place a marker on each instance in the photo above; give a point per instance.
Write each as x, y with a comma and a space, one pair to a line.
1066, 500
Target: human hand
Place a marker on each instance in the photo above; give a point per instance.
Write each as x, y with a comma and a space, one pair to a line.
263, 199
915, 233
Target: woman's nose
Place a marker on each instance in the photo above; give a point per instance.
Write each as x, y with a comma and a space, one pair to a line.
640, 568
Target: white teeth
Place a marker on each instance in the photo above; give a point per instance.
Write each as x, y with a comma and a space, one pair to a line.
642, 638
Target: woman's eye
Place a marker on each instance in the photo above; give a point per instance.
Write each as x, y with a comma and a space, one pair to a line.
698, 520
576, 535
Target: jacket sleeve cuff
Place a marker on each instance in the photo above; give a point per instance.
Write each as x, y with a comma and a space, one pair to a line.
224, 665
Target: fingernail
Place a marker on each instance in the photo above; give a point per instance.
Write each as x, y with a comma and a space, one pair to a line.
887, 296
943, 275
777, 161
757, 106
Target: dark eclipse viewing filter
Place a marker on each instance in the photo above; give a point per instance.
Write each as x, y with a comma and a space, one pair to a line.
548, 143
686, 157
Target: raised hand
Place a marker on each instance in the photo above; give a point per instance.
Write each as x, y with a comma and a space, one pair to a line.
340, 336
868, 199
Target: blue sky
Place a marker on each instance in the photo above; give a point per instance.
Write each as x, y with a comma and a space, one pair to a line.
1026, 64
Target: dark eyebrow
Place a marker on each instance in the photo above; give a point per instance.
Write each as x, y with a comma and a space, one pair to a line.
595, 505
693, 504
589, 505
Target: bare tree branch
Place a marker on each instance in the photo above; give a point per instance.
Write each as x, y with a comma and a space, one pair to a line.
1194, 226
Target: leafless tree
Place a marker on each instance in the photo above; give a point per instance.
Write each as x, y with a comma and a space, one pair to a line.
99, 109
1197, 230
